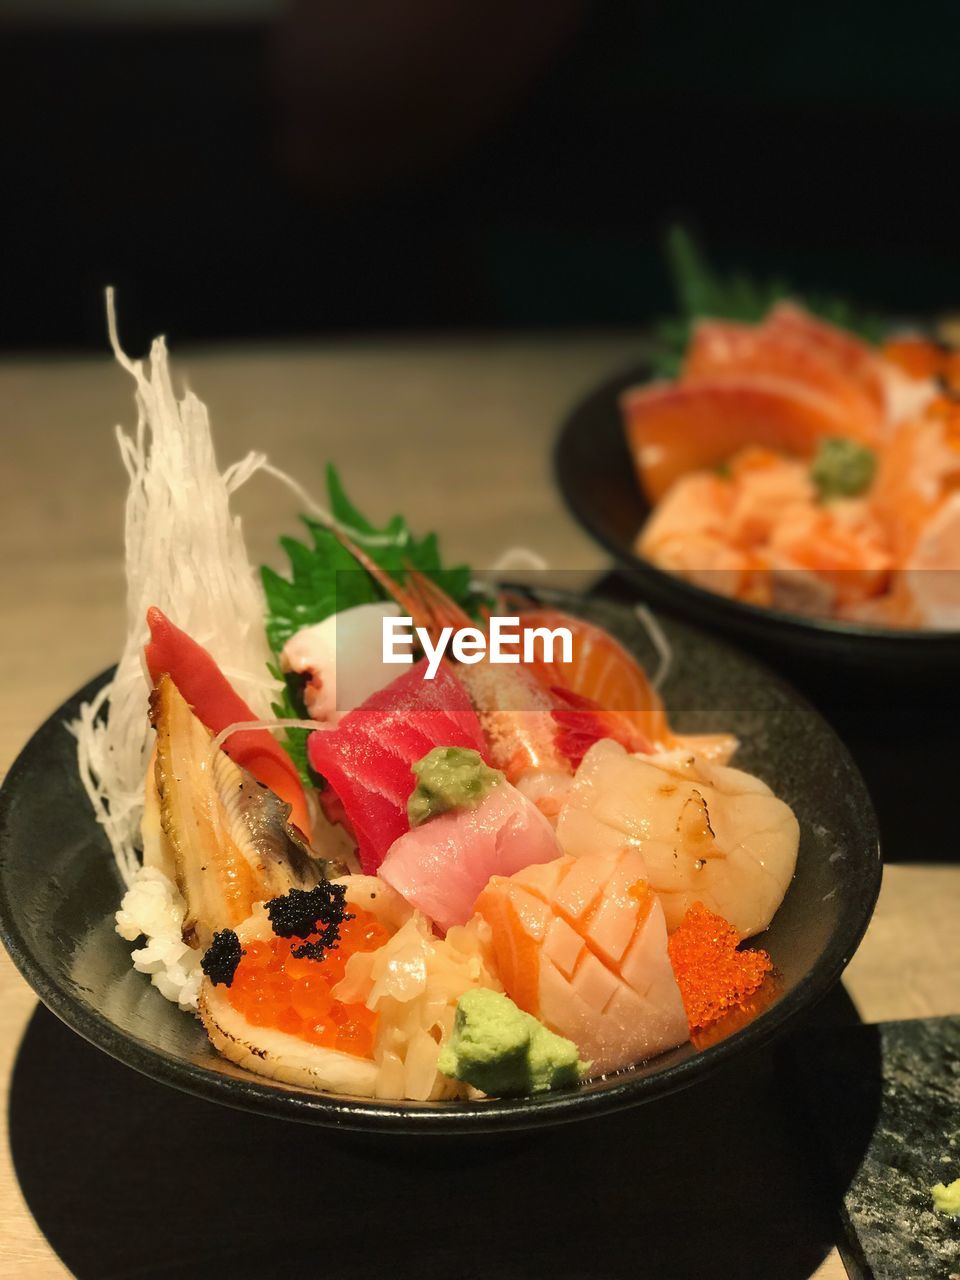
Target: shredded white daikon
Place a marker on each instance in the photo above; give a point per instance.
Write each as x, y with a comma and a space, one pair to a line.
184, 553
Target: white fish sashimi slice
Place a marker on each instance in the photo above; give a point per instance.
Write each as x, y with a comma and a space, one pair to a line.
441, 866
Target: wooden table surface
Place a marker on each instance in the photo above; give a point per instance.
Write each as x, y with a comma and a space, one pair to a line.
455, 434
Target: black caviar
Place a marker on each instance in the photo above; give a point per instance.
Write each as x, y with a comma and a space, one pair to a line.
220, 960
298, 913
317, 950
303, 912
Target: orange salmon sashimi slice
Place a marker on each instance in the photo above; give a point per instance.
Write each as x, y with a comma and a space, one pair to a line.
673, 429
601, 670
916, 497
722, 349
846, 350
604, 692
919, 467
581, 943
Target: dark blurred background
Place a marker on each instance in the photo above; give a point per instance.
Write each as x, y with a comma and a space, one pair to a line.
242, 168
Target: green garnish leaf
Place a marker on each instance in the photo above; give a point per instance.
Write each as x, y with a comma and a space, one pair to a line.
701, 291
842, 468
290, 707
324, 578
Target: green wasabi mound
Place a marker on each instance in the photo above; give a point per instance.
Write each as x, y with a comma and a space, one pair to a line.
842, 468
946, 1199
501, 1050
449, 778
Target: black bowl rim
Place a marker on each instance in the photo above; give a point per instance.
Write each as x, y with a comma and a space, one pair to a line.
670, 586
449, 1118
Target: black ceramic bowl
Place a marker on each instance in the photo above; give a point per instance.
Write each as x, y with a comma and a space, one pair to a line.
596, 475
893, 696
59, 891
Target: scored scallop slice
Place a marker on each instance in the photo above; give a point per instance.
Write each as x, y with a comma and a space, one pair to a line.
581, 943
675, 428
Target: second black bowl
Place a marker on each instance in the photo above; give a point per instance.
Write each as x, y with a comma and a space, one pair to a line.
892, 695
596, 475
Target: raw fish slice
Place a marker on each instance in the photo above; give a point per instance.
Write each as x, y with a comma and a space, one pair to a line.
582, 945
602, 670
226, 838
920, 466
847, 351
722, 349
604, 692
916, 498
441, 866
841, 543
673, 429
367, 758
931, 576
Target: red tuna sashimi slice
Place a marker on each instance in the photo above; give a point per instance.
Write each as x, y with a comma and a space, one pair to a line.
367, 758
441, 866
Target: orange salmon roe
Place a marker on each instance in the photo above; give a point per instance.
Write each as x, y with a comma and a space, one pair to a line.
713, 976
273, 988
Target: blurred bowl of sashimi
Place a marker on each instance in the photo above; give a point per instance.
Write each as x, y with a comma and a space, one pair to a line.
787, 476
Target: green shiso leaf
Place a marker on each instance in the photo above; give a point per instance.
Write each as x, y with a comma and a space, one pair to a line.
324, 578
295, 740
